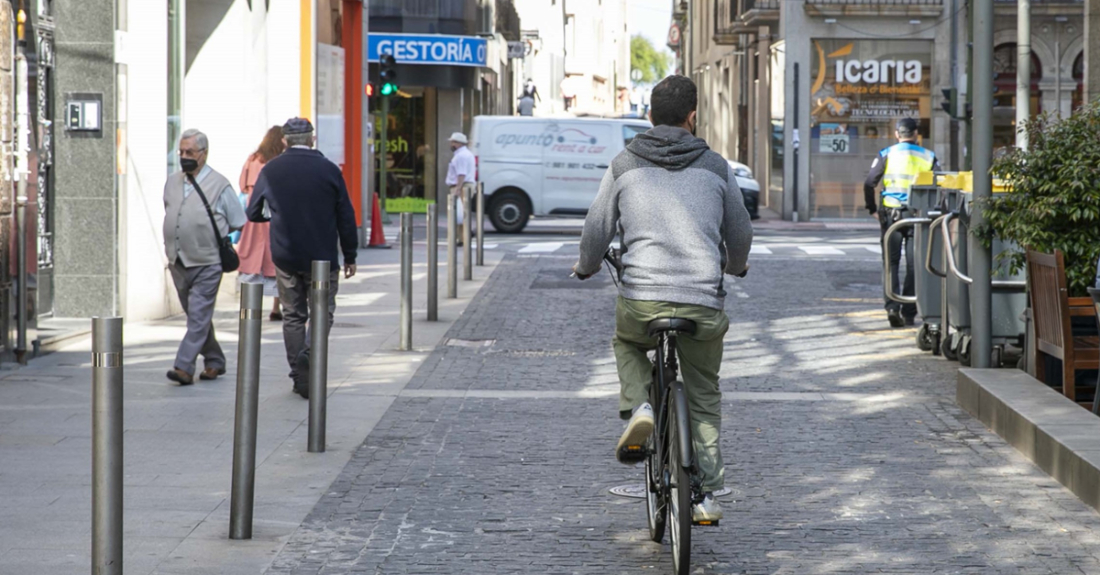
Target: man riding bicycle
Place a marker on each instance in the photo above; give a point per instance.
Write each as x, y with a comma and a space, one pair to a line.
683, 223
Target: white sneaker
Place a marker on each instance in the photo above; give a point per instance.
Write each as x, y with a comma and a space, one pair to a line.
708, 510
631, 447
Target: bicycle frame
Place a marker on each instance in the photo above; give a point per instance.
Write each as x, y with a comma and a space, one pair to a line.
667, 365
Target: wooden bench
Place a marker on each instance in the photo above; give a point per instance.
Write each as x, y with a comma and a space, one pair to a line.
1052, 310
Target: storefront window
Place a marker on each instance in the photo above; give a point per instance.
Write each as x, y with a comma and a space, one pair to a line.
860, 90
407, 152
1079, 81
1004, 95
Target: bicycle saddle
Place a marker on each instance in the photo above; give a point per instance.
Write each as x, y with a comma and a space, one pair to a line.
671, 324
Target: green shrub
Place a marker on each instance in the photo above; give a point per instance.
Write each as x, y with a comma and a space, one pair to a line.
1055, 197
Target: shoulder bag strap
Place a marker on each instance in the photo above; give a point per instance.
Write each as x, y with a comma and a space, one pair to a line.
209, 212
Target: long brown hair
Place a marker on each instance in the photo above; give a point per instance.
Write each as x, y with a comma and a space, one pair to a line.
271, 146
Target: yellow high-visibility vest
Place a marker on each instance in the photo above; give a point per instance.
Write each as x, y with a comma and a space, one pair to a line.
904, 162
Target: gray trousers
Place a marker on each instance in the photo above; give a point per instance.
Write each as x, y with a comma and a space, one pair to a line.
198, 291
294, 290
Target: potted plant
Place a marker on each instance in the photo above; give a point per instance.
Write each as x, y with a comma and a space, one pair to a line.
1054, 202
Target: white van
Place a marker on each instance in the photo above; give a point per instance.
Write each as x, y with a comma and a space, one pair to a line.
545, 166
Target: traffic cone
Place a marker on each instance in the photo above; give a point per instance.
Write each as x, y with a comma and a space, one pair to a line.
377, 237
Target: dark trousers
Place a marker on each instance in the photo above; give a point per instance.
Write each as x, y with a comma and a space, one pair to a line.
198, 292
903, 239
294, 294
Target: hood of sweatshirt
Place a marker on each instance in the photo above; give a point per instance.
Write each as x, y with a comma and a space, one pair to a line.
670, 147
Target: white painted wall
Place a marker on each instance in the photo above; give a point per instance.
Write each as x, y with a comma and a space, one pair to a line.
147, 286
244, 80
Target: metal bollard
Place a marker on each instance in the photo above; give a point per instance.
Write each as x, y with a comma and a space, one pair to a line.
452, 250
406, 282
481, 223
467, 260
433, 262
248, 399
107, 445
318, 355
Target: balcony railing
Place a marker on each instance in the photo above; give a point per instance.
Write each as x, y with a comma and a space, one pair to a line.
733, 17
874, 7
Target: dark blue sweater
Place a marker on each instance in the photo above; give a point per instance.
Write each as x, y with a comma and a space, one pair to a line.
309, 207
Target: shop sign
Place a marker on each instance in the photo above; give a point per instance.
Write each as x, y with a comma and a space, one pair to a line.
517, 49
429, 49
409, 205
834, 139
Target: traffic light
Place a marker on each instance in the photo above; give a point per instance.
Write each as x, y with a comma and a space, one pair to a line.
951, 101
388, 74
369, 90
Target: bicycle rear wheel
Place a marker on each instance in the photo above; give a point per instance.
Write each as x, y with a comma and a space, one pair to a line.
655, 500
679, 500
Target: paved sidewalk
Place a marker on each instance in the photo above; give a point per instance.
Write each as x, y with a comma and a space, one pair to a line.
178, 440
844, 448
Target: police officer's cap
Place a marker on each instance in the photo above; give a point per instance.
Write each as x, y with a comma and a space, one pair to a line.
297, 126
907, 126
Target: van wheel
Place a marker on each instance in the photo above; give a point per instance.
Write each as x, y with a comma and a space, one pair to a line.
510, 212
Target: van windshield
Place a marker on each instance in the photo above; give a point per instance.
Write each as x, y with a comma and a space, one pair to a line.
630, 131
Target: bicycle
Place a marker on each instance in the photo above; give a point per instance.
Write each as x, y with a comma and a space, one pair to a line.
673, 484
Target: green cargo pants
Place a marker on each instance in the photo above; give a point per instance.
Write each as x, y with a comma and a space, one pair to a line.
700, 357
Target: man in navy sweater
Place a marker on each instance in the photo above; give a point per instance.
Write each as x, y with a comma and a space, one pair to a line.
303, 195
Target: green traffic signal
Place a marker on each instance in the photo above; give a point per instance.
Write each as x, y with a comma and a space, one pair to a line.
389, 89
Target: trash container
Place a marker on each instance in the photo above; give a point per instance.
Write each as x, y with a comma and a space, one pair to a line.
1009, 295
924, 207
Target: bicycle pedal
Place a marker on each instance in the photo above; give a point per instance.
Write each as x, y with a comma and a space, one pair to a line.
631, 454
705, 523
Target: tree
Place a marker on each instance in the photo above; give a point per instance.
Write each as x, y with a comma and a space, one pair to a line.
1054, 197
645, 58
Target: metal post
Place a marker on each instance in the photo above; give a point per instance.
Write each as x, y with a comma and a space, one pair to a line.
795, 145
433, 262
318, 355
1023, 70
406, 282
22, 139
248, 401
481, 223
467, 218
452, 250
980, 257
107, 446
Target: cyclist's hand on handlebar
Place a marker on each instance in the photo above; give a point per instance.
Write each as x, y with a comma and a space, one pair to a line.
579, 275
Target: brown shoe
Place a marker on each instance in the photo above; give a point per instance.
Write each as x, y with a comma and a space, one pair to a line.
211, 373
181, 377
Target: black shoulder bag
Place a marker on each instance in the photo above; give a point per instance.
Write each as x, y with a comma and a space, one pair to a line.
230, 260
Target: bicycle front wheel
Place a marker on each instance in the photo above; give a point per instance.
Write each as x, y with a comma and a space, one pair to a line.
655, 500
679, 501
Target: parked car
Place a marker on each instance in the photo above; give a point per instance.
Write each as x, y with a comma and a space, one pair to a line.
545, 166
750, 188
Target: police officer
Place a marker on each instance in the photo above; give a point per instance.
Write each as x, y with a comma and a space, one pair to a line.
897, 168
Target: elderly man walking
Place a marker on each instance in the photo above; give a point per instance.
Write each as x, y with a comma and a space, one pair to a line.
460, 172
192, 197
303, 195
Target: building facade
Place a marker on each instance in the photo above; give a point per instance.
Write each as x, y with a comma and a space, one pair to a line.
808, 92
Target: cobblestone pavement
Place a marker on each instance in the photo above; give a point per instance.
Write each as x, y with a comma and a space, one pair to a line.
844, 448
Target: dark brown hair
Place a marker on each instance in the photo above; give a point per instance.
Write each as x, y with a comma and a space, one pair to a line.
272, 145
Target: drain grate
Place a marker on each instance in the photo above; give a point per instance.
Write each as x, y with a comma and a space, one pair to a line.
637, 491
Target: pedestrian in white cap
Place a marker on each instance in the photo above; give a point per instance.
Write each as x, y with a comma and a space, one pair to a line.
460, 173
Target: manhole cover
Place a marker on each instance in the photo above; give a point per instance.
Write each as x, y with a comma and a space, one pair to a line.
637, 491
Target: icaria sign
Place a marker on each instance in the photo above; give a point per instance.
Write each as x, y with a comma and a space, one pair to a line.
879, 72
429, 49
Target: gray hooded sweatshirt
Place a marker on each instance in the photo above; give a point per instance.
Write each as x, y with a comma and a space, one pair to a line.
681, 215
